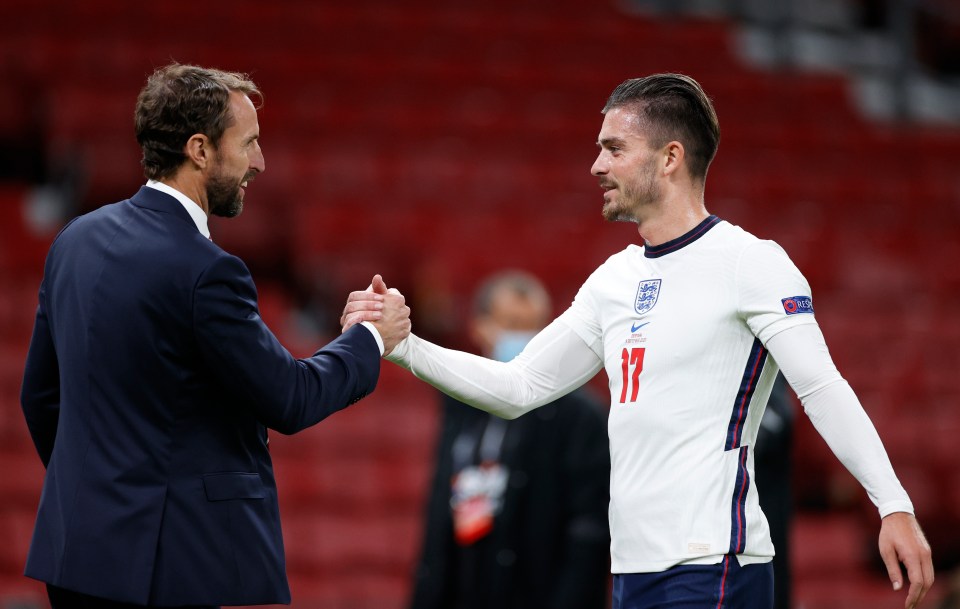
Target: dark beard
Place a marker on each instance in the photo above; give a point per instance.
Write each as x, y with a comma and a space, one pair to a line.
619, 215
644, 195
223, 197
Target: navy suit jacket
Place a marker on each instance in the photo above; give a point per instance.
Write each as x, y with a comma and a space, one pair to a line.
148, 390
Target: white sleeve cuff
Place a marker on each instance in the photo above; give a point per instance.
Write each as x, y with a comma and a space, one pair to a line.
376, 334
892, 507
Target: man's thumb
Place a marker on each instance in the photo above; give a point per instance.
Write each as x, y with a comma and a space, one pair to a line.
379, 287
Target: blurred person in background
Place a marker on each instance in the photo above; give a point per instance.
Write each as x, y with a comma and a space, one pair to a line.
517, 513
691, 328
773, 463
151, 379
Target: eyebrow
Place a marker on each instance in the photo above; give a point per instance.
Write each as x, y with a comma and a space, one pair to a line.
611, 141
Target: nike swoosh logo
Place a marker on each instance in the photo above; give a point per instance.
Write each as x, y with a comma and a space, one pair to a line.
635, 327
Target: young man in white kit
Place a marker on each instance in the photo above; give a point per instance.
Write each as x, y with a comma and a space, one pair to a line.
691, 328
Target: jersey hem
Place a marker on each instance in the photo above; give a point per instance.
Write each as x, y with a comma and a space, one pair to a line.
660, 566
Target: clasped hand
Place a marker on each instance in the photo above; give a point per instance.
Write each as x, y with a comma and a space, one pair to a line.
385, 308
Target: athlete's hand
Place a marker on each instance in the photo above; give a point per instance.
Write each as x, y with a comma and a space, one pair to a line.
385, 308
902, 541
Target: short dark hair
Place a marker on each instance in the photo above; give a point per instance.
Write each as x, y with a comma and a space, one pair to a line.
179, 101
521, 283
673, 107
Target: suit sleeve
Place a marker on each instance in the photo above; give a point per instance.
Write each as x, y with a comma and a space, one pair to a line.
40, 392
287, 394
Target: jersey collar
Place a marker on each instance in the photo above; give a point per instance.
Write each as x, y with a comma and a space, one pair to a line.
655, 251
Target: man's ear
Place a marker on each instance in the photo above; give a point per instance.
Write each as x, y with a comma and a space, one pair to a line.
673, 157
199, 150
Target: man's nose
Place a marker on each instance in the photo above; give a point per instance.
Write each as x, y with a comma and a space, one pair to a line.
600, 166
257, 163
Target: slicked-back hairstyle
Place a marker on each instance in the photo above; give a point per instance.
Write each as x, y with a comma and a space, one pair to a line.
673, 107
521, 283
178, 102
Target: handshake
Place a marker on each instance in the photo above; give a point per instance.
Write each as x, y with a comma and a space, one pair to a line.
385, 308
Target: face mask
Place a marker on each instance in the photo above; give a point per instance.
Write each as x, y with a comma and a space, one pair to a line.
510, 343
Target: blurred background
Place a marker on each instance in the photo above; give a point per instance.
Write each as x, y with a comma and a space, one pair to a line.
435, 142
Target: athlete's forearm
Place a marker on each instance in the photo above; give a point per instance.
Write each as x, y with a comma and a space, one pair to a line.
555, 362
837, 415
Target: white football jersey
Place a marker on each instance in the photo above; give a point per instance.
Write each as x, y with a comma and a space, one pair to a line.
681, 329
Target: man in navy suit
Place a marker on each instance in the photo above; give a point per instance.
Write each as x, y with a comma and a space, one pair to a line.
151, 380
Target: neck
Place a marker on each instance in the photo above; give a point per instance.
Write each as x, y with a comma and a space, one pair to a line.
193, 188
672, 219
657, 231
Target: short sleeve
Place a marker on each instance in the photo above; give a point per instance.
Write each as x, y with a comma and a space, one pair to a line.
772, 293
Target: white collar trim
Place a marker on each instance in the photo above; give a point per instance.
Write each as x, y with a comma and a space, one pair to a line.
193, 208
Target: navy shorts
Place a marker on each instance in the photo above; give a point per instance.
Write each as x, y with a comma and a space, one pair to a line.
726, 585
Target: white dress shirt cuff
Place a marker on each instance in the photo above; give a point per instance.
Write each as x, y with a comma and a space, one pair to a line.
376, 334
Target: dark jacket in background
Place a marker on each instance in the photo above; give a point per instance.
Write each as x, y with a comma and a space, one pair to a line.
550, 544
773, 465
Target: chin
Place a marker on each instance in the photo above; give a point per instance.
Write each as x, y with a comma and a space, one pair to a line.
611, 212
228, 211
614, 214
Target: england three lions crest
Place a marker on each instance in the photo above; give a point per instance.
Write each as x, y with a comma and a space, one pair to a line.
647, 294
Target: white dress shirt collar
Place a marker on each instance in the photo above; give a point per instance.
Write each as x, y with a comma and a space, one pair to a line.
192, 207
